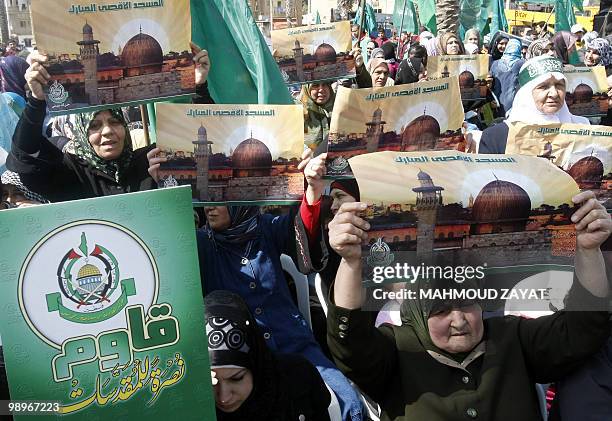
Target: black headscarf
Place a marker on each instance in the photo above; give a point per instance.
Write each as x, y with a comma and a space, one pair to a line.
243, 228
235, 339
349, 186
409, 71
493, 50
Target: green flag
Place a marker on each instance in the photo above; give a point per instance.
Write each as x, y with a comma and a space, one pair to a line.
427, 14
564, 15
498, 17
242, 68
318, 18
370, 19
473, 14
404, 16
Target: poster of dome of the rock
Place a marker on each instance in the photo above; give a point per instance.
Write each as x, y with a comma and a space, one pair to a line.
470, 69
307, 54
587, 90
583, 151
106, 52
495, 219
102, 309
233, 153
413, 117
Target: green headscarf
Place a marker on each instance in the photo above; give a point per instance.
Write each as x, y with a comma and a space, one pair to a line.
83, 149
316, 117
415, 312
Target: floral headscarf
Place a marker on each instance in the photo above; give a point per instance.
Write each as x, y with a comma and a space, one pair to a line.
83, 149
604, 49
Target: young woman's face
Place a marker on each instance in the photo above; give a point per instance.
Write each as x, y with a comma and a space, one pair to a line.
456, 330
452, 46
234, 386
339, 197
591, 57
320, 93
106, 135
379, 76
549, 95
473, 38
501, 46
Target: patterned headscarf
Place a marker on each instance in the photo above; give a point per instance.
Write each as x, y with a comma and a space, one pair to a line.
234, 340
604, 49
536, 48
12, 178
83, 149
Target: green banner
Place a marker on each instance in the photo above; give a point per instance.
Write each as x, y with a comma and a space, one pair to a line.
405, 17
102, 309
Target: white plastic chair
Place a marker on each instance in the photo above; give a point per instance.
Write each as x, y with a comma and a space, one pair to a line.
320, 294
301, 287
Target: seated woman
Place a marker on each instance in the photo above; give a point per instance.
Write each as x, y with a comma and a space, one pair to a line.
250, 382
445, 362
540, 99
240, 251
449, 44
104, 162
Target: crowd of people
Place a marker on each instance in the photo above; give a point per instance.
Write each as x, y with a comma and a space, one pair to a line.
432, 360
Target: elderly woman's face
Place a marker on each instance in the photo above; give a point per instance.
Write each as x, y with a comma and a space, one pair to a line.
456, 330
370, 47
549, 95
234, 385
106, 135
452, 46
379, 76
320, 93
591, 57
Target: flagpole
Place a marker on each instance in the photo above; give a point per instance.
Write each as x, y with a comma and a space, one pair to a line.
403, 14
363, 5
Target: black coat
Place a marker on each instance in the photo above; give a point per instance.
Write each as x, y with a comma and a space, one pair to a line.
494, 139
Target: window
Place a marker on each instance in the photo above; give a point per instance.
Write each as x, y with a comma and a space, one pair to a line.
22, 23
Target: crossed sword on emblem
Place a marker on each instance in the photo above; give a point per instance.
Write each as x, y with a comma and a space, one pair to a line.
93, 293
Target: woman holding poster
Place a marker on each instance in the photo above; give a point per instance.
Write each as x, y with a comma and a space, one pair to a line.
445, 362
103, 164
540, 99
318, 101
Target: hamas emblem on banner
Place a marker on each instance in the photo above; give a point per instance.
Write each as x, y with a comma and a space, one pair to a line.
80, 278
88, 279
380, 254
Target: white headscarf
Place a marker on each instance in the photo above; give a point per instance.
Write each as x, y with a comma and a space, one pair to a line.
524, 108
